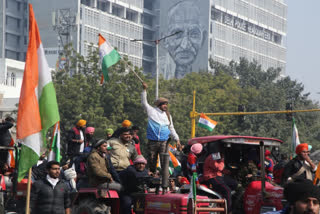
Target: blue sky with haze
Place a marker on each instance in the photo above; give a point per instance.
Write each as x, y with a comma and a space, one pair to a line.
303, 44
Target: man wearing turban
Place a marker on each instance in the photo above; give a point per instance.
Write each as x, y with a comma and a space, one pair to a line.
76, 138
160, 127
299, 167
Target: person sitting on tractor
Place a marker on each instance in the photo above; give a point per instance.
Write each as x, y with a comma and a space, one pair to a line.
98, 167
130, 182
268, 165
192, 163
299, 167
122, 150
302, 197
216, 180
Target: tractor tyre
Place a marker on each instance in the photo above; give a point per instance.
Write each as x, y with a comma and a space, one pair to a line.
91, 206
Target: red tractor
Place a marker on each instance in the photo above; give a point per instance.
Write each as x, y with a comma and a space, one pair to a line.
259, 196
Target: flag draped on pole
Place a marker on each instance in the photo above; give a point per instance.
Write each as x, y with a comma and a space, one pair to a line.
206, 122
174, 164
38, 107
108, 56
11, 161
295, 135
55, 144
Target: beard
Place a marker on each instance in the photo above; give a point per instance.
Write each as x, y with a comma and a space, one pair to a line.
295, 210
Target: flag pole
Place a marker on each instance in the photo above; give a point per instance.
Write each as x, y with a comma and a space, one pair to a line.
28, 192
135, 73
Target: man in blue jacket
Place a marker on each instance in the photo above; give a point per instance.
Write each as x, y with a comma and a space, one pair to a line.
160, 127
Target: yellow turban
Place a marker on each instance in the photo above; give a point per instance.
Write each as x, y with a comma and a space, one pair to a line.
126, 123
81, 123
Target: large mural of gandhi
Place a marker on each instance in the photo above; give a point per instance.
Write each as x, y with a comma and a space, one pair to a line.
182, 48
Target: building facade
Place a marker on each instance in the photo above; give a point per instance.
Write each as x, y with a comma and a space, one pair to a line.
118, 21
223, 30
12, 73
13, 29
254, 29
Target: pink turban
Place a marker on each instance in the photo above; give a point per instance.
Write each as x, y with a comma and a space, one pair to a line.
89, 130
196, 148
140, 159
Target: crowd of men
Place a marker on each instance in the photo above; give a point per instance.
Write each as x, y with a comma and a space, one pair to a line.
116, 162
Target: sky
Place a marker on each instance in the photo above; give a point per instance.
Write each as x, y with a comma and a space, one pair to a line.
303, 45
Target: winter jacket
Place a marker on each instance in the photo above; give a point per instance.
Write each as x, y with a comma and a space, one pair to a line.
212, 168
121, 153
97, 169
291, 168
159, 127
130, 179
45, 199
74, 147
5, 136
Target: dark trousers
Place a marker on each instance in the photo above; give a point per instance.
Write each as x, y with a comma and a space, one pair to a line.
125, 203
154, 148
224, 185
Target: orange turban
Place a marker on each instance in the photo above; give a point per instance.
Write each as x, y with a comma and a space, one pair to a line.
81, 123
301, 147
126, 123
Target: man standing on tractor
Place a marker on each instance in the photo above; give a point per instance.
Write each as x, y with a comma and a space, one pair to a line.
302, 197
299, 167
99, 169
5, 137
76, 139
50, 195
122, 150
160, 126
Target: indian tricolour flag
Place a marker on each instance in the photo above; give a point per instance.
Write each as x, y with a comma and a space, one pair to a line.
54, 153
174, 163
295, 135
108, 56
206, 122
38, 108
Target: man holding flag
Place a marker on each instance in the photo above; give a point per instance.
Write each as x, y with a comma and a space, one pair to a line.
160, 127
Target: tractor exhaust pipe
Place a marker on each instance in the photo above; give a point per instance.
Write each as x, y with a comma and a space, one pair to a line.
164, 157
262, 169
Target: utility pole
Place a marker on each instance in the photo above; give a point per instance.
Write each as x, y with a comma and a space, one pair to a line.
157, 41
64, 22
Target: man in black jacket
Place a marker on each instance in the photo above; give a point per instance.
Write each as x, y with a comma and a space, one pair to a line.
5, 137
300, 167
50, 195
131, 183
76, 139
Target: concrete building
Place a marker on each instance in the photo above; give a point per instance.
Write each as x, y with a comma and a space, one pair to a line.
13, 29
119, 21
223, 30
11, 75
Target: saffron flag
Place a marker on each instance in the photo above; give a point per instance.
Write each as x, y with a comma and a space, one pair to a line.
11, 161
54, 153
108, 56
295, 135
206, 122
38, 107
